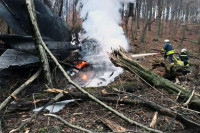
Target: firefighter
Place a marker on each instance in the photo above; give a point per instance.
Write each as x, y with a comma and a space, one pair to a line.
169, 51
184, 57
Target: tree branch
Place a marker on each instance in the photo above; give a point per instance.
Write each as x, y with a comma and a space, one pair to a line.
68, 124
39, 42
18, 90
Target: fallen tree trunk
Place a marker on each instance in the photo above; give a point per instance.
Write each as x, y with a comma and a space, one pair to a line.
122, 59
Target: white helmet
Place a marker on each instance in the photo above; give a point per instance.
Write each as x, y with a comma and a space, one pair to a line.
166, 40
183, 50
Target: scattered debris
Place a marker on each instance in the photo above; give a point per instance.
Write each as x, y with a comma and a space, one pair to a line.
56, 107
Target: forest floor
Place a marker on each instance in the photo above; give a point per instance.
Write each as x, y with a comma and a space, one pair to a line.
90, 115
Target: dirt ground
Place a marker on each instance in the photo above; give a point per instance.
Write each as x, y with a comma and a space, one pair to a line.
90, 115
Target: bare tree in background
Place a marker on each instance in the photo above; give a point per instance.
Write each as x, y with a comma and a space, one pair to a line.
150, 12
158, 18
146, 19
74, 16
137, 19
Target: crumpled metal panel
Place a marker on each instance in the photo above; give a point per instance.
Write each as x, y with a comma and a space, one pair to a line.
14, 12
13, 58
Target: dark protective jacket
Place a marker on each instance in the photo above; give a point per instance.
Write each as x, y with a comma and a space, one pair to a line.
168, 49
183, 57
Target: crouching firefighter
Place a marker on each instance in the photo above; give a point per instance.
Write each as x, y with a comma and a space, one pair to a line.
169, 51
184, 57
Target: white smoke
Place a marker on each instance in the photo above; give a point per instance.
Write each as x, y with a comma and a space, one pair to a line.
102, 19
102, 22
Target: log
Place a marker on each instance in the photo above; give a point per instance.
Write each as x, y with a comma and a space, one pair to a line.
122, 59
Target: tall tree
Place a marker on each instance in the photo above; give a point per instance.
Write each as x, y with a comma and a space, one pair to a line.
146, 19
150, 6
167, 11
74, 16
158, 19
137, 19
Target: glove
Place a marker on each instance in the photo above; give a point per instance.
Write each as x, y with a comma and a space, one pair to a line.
159, 53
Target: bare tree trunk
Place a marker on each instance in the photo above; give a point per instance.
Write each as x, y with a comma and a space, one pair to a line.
182, 35
158, 19
137, 19
74, 17
130, 9
38, 41
150, 12
138, 7
167, 13
145, 21
122, 12
61, 7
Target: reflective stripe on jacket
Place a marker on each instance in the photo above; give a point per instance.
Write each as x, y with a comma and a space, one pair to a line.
168, 48
183, 57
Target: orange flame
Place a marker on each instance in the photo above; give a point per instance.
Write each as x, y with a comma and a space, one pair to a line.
81, 64
84, 77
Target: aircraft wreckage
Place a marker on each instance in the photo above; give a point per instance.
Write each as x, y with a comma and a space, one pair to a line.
20, 47
57, 35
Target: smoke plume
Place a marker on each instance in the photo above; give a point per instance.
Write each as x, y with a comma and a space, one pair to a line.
102, 21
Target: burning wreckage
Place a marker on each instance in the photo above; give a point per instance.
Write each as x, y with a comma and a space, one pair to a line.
57, 35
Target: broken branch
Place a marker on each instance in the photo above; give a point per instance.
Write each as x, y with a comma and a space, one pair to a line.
56, 98
154, 120
38, 41
18, 90
165, 111
68, 124
189, 99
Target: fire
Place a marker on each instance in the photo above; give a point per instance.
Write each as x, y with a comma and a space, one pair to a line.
84, 77
81, 64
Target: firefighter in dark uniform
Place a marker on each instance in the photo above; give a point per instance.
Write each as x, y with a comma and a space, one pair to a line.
169, 51
184, 57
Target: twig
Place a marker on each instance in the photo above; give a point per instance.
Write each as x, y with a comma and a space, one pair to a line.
68, 124
191, 110
178, 95
18, 90
189, 99
163, 110
154, 120
56, 98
